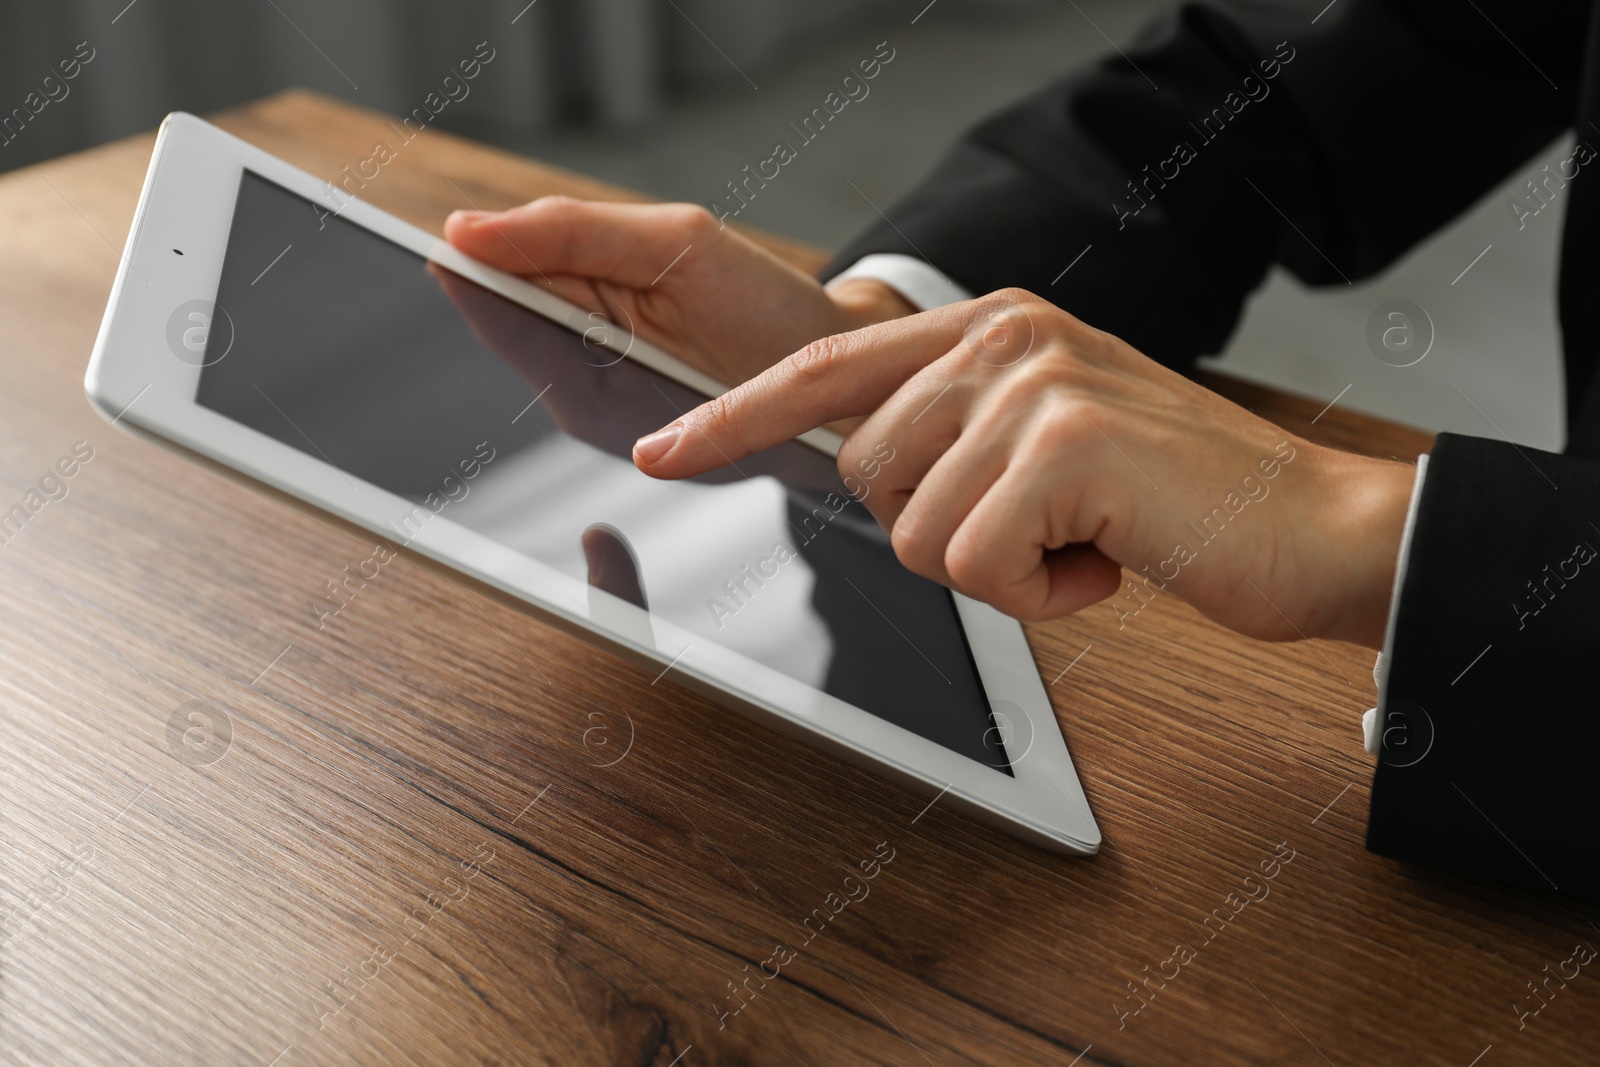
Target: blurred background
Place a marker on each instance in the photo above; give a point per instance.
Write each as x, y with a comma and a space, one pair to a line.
674, 97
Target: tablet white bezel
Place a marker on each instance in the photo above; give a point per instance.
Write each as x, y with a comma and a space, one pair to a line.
135, 380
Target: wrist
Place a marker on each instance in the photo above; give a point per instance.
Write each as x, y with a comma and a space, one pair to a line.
863, 302
1365, 504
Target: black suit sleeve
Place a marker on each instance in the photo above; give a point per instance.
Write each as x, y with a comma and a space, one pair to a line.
1377, 125
1491, 727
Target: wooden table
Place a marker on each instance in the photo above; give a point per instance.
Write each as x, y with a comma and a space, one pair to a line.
411, 848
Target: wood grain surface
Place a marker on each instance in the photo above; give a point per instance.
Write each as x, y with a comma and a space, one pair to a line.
439, 831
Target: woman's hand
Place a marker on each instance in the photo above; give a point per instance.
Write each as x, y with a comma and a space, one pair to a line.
1034, 456
670, 274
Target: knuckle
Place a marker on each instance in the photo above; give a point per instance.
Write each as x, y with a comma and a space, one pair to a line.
1012, 296
1035, 383
1040, 308
1008, 325
850, 452
1059, 365
912, 547
551, 220
715, 417
1028, 305
972, 572
968, 569
1073, 424
1024, 610
1092, 346
816, 361
692, 220
556, 208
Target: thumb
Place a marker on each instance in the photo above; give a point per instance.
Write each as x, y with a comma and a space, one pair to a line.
625, 244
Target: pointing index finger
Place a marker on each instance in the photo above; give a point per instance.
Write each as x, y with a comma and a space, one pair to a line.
831, 378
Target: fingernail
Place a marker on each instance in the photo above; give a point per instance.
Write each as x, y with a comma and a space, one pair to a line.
647, 450
467, 216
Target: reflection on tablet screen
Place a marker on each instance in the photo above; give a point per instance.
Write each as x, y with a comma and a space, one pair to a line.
361, 353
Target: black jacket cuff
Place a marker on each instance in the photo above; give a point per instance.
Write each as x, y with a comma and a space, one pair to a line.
1491, 730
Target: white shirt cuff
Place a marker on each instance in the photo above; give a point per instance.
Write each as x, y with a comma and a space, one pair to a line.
1371, 729
920, 283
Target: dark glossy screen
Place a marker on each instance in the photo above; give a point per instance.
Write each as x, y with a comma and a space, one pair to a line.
353, 349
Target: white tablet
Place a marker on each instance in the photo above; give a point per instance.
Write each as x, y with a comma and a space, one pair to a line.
271, 322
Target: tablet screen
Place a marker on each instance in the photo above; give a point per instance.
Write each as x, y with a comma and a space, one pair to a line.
360, 352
